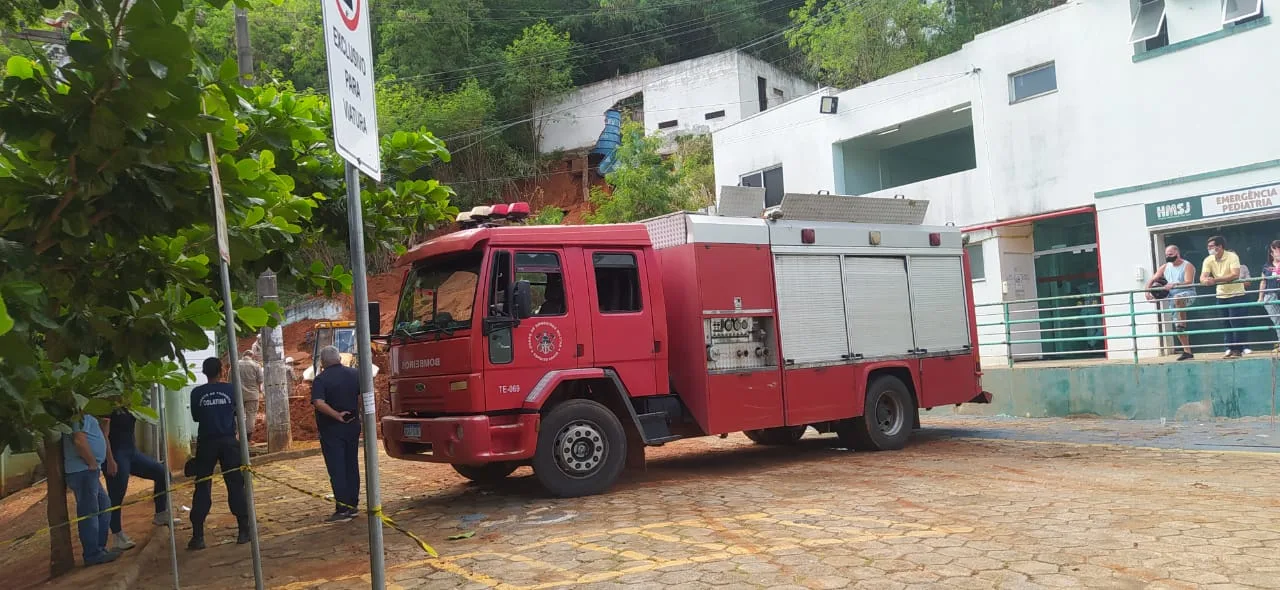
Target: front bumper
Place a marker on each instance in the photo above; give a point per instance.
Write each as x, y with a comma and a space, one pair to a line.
467, 440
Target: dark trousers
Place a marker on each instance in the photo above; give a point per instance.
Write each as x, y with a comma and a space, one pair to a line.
132, 462
340, 445
224, 453
91, 499
1236, 319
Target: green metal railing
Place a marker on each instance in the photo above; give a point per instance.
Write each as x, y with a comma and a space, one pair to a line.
1051, 330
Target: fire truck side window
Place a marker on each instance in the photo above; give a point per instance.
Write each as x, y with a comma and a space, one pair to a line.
617, 282
499, 282
542, 270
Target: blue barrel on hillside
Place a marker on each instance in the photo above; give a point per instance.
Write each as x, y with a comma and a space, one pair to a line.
610, 139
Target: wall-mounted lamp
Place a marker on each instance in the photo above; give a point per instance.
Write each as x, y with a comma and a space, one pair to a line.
887, 131
829, 105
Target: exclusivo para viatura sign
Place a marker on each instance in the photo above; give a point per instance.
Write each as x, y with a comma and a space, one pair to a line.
349, 54
1234, 202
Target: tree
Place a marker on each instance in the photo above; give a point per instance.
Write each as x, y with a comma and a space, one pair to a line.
972, 17
287, 38
848, 46
537, 66
105, 229
644, 184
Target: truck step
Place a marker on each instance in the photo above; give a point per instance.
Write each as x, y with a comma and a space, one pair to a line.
654, 428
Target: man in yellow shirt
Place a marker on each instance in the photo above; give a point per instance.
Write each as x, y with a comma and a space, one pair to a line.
1222, 268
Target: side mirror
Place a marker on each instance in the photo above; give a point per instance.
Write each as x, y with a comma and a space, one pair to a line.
375, 318
523, 295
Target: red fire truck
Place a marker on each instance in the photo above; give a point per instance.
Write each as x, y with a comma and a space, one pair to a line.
570, 349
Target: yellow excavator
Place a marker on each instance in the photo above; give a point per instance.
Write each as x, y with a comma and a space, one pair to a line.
340, 334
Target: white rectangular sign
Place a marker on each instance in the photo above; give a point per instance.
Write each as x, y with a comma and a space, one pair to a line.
350, 56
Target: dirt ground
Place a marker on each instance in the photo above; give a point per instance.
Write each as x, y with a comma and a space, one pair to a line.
970, 503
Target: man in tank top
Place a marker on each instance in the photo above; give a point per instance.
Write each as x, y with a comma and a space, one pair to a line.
1179, 280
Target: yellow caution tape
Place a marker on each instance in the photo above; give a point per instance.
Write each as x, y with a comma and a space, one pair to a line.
172, 488
376, 511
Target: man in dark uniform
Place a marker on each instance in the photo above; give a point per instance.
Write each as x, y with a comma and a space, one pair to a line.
335, 393
213, 406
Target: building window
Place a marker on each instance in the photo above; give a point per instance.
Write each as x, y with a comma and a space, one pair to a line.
777, 93
617, 282
977, 266
668, 124
770, 180
1235, 12
761, 94
1149, 22
1037, 81
1158, 41
714, 115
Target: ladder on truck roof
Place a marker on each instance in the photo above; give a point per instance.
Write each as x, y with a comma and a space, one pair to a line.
741, 201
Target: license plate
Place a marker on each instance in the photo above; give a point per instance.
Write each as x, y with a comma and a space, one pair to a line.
413, 431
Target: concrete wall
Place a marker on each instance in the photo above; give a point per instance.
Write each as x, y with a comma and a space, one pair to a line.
684, 92
1145, 391
1117, 119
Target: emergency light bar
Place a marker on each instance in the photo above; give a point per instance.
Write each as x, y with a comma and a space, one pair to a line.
487, 214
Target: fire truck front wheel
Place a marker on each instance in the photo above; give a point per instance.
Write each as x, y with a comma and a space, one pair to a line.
885, 423
582, 449
486, 473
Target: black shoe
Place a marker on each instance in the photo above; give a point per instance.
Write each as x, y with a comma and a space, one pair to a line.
352, 512
340, 516
195, 544
1186, 356
243, 537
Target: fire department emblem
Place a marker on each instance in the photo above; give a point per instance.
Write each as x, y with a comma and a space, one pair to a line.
545, 341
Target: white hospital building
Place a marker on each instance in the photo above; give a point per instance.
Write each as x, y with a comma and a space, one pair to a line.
1071, 146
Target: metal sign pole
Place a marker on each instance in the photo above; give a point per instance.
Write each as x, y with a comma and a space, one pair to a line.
355, 218
159, 392
224, 260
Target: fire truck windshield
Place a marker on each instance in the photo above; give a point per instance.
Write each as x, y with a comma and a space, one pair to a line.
439, 295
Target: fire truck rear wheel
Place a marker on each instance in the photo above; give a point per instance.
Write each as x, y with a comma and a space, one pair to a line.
486, 473
776, 437
885, 423
582, 449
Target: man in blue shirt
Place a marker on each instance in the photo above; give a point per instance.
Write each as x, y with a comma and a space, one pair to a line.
83, 453
213, 406
335, 393
123, 460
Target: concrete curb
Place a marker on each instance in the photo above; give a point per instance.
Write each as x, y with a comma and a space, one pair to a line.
268, 458
150, 551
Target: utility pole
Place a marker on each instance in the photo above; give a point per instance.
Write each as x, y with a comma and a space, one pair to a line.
275, 374
244, 51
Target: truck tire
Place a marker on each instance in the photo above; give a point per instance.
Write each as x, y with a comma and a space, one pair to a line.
776, 437
885, 423
582, 449
486, 473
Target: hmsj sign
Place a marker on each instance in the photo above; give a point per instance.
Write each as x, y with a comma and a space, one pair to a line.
348, 51
1234, 202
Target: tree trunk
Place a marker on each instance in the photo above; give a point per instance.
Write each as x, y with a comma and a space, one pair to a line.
61, 555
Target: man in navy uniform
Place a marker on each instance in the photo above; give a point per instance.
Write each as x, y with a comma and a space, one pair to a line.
213, 406
335, 393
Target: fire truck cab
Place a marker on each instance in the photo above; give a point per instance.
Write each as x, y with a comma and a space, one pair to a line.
570, 349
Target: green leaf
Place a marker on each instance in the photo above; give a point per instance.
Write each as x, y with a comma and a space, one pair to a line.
158, 69
98, 407
19, 67
25, 291
461, 536
147, 413
254, 317
204, 312
253, 216
6, 322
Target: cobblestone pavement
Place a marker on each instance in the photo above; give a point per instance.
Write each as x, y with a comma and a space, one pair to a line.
971, 503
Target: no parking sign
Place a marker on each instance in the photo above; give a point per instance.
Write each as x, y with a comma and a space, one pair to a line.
351, 93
